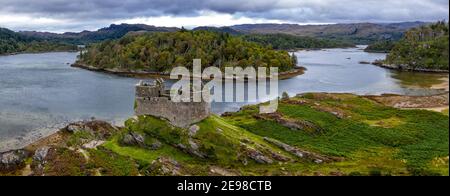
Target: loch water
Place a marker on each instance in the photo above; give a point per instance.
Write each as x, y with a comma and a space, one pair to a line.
40, 93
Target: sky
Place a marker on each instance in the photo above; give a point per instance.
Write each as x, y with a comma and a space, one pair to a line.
79, 15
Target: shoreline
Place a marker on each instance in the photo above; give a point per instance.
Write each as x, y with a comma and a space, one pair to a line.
316, 49
406, 68
376, 51
43, 52
296, 71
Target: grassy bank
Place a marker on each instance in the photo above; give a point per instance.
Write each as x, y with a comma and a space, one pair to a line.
311, 134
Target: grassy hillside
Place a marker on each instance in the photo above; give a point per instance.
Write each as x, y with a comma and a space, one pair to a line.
160, 52
390, 140
311, 134
426, 47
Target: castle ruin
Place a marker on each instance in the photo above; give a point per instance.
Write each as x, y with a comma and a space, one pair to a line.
154, 100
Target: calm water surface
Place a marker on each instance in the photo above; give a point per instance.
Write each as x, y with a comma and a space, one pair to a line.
40, 93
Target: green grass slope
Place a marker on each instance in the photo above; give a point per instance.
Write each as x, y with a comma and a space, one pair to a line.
311, 134
383, 138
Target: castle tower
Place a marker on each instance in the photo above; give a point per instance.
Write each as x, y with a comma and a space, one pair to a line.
152, 99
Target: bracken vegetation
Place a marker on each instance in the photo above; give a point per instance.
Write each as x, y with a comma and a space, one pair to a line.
397, 141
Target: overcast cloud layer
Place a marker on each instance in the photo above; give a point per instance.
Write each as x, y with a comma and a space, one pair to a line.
77, 15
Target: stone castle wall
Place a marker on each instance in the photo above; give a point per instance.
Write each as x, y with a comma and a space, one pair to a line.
179, 114
151, 101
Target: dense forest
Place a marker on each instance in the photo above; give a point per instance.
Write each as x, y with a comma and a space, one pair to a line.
289, 42
159, 52
426, 47
384, 46
11, 42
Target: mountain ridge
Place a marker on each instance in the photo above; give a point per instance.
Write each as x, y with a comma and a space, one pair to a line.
369, 31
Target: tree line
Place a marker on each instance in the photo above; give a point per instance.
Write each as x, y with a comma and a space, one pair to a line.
11, 42
160, 52
291, 42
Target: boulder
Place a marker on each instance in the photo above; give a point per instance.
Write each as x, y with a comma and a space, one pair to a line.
293, 124
133, 139
165, 166
39, 159
280, 157
316, 158
255, 155
258, 156
155, 145
12, 160
140, 139
101, 129
128, 140
191, 151
93, 144
193, 130
41, 154
193, 145
137, 139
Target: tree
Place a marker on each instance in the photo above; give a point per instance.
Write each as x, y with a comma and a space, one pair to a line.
161, 51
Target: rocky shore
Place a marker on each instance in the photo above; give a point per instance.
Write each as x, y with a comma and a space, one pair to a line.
31, 159
407, 68
166, 75
413, 102
41, 52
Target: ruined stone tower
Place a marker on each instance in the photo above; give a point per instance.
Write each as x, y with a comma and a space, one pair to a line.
154, 100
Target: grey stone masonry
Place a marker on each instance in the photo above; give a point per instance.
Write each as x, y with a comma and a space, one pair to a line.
153, 100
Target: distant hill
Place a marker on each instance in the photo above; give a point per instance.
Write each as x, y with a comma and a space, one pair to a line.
292, 42
219, 29
335, 35
108, 33
12, 42
358, 33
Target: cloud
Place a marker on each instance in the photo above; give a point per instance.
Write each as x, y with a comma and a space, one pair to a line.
85, 14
